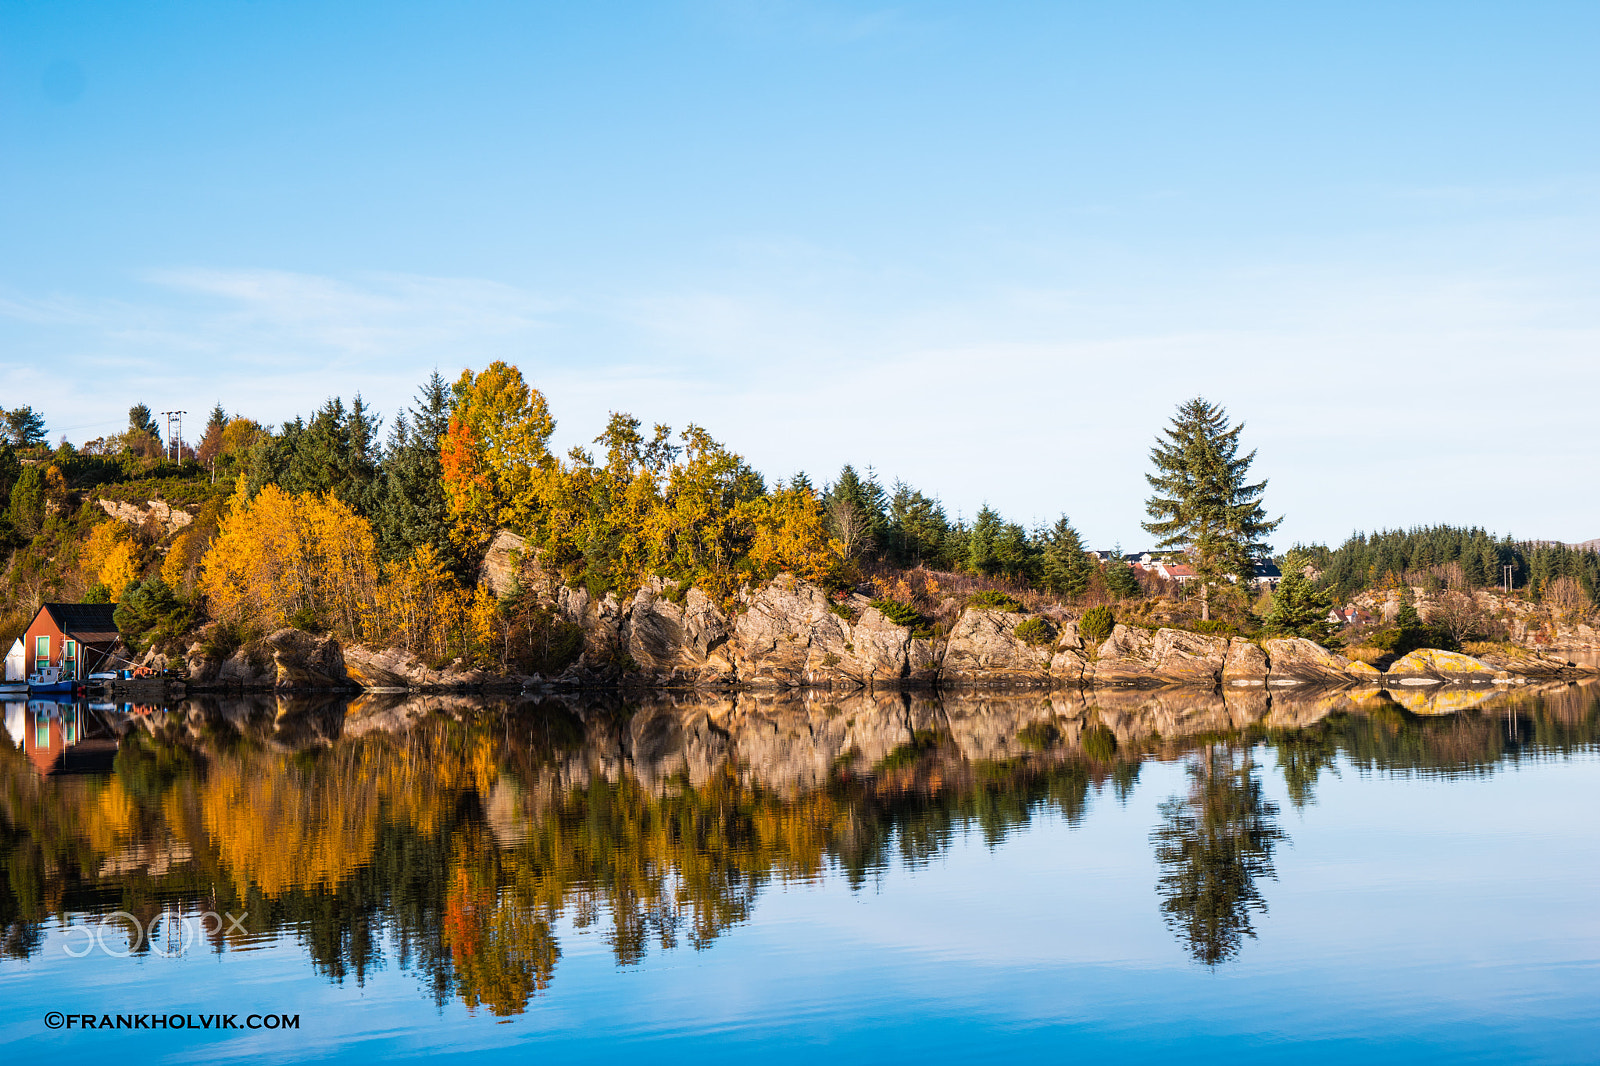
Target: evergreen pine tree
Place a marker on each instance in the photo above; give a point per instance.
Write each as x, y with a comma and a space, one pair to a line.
24, 427
1064, 565
1013, 552
855, 508
10, 470
986, 530
414, 509
917, 528
141, 420
26, 509
1120, 580
1300, 609
1202, 502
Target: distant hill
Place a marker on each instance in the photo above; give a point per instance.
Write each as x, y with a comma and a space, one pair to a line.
1591, 544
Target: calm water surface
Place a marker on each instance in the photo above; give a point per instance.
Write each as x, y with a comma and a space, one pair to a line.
1320, 877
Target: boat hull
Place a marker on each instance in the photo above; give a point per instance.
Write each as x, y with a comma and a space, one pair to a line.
52, 687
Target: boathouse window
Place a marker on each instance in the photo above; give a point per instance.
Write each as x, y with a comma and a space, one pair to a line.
41, 652
69, 658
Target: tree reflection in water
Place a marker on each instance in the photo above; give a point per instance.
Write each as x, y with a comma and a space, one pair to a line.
456, 841
1213, 846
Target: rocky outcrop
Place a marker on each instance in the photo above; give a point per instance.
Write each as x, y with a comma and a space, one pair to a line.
1132, 656
392, 668
790, 636
304, 661
1069, 658
1431, 666
1246, 664
1124, 658
984, 649
1297, 661
1189, 658
502, 563
288, 659
670, 643
169, 518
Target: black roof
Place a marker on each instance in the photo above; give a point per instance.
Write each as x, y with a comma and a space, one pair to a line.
1268, 570
88, 620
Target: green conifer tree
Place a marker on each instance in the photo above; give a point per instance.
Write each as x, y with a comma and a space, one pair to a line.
1064, 565
414, 509
986, 530
24, 427
1300, 609
1202, 502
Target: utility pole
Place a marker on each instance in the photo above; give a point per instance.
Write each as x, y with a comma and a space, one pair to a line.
1505, 577
175, 440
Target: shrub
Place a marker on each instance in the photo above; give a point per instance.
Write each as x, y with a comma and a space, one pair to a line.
222, 639
1035, 631
901, 614
1404, 639
995, 600
1096, 624
1218, 627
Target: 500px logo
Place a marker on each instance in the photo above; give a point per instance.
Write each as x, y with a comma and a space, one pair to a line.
168, 934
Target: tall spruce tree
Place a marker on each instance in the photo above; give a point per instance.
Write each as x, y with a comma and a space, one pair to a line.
917, 528
141, 420
1300, 609
982, 557
855, 508
415, 510
1064, 566
1203, 503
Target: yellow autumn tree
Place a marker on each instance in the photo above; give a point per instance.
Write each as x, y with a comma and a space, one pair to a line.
495, 454
419, 606
97, 548
282, 558
121, 568
788, 533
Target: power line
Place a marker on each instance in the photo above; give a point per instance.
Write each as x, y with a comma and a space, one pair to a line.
175, 440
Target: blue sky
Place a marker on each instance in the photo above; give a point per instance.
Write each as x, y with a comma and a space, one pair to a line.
983, 247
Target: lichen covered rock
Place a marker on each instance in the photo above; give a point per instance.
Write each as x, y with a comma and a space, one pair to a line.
1434, 665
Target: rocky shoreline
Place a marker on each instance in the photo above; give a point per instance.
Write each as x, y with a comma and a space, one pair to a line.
789, 635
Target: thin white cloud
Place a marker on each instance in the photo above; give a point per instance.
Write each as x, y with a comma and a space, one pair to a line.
370, 315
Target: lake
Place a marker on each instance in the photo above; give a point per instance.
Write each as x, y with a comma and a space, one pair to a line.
1293, 876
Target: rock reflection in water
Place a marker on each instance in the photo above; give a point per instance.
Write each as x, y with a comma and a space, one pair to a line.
453, 836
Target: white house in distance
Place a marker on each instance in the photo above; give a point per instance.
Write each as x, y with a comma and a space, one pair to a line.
16, 662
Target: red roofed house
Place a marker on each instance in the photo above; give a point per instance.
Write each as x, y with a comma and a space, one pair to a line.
81, 638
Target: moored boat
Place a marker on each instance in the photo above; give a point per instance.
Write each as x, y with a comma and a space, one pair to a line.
48, 680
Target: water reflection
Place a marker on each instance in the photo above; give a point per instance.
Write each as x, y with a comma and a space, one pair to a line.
1214, 846
448, 836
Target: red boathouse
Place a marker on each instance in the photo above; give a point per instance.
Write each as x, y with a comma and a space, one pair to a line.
81, 638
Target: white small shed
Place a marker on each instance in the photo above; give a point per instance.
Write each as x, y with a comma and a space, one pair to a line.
16, 664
